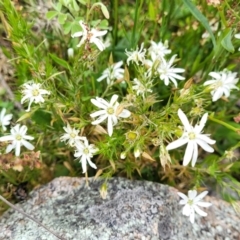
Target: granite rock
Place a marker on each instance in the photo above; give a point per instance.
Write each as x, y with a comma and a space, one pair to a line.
132, 210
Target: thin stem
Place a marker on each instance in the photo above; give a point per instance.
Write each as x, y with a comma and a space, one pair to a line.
28, 216
224, 124
115, 18
136, 18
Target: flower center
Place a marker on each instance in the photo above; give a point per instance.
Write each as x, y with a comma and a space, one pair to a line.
72, 135
131, 136
190, 201
35, 92
110, 110
191, 135
218, 84
18, 137
86, 151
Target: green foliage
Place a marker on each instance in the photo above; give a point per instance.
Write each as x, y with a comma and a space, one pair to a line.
201, 37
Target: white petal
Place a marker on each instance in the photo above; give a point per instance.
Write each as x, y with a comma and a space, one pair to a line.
177, 143
99, 102
125, 113
186, 210
77, 34
9, 148
183, 202
192, 194
217, 95
113, 99
204, 204
203, 121
195, 154
184, 120
98, 43
84, 164
192, 216
7, 138
188, 154
92, 164
199, 211
204, 145
183, 196
28, 137
200, 196
98, 113
28, 145
215, 75
17, 149
99, 120
110, 126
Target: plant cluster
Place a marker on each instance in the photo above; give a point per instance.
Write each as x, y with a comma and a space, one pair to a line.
116, 88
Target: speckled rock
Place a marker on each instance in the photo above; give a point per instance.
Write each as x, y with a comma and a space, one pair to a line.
132, 210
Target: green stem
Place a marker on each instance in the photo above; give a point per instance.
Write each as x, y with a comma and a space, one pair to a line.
224, 124
136, 18
115, 19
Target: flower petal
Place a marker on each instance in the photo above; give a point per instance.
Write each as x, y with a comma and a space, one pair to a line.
177, 143
184, 120
188, 153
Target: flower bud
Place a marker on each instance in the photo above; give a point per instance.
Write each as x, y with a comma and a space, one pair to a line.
70, 53
123, 155
103, 191
137, 152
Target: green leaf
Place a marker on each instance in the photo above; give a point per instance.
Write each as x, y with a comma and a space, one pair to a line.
227, 40
59, 61
75, 6
41, 118
67, 27
58, 7
51, 14
25, 116
82, 2
151, 11
62, 18
200, 17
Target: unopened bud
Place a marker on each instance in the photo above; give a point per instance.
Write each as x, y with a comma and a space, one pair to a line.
103, 191
70, 53
123, 155
137, 152
188, 84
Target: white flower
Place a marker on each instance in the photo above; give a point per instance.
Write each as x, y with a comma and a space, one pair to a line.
110, 111
18, 137
137, 152
70, 53
71, 136
33, 92
85, 152
90, 36
140, 88
237, 35
123, 155
137, 55
214, 24
113, 72
159, 49
168, 73
223, 83
5, 119
193, 137
192, 203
